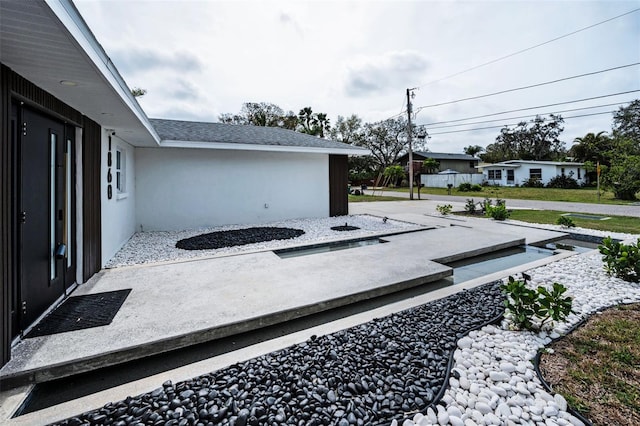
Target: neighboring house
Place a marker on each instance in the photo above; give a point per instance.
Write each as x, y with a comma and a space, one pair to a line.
455, 168
516, 172
461, 163
82, 167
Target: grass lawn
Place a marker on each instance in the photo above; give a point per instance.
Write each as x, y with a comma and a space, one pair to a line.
626, 224
587, 195
597, 367
366, 198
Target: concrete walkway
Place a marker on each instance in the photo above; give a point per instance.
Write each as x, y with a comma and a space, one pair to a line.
175, 305
603, 209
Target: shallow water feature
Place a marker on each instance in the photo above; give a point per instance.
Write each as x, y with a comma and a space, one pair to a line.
478, 266
327, 247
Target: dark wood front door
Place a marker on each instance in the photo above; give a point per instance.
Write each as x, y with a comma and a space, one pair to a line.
45, 214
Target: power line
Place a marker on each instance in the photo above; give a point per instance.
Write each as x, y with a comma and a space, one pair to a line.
529, 48
515, 124
530, 108
528, 116
528, 87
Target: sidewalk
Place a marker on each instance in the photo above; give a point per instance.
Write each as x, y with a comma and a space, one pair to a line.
602, 209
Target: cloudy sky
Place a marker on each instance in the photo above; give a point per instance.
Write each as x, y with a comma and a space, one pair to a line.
198, 59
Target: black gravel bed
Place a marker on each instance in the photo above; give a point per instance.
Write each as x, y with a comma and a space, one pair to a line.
343, 228
237, 237
389, 368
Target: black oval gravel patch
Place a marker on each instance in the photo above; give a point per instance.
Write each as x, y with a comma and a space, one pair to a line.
366, 375
237, 237
344, 228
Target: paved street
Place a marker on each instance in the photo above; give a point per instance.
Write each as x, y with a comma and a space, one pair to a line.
604, 209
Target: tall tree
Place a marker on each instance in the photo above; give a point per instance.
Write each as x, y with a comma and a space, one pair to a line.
431, 165
537, 139
592, 147
316, 124
387, 140
347, 130
623, 174
263, 114
626, 123
473, 150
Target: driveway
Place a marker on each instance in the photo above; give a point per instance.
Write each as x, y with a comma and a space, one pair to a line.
603, 209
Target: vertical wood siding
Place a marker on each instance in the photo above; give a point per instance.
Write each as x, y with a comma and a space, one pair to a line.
91, 217
338, 182
7, 259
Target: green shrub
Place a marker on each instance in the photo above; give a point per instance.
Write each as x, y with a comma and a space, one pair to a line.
532, 183
530, 309
621, 260
470, 207
564, 182
497, 212
476, 187
464, 187
444, 209
565, 221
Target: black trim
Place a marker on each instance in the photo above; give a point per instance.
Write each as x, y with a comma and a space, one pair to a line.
338, 185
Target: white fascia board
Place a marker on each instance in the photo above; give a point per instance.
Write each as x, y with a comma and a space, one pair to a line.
501, 166
257, 147
67, 13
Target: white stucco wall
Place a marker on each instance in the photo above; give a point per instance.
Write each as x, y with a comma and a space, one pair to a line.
522, 173
118, 213
180, 188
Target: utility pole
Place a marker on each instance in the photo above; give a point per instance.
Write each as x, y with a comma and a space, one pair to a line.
409, 132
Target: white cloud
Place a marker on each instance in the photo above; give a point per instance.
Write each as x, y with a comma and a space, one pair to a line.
201, 58
379, 74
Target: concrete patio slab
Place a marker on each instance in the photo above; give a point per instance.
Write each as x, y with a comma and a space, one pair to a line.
180, 304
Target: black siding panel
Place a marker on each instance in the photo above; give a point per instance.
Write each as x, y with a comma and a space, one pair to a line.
7, 244
338, 183
91, 217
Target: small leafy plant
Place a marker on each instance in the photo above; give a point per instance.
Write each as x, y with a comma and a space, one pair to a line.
565, 221
470, 206
532, 309
497, 212
621, 260
444, 209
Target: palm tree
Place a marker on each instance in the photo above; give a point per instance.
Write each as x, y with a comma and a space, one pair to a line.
322, 124
592, 147
431, 165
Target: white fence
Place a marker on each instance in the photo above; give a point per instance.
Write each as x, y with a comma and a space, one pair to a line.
441, 181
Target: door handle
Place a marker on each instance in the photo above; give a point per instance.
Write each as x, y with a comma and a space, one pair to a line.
61, 251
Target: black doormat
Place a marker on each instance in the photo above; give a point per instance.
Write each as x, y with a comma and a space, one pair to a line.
80, 312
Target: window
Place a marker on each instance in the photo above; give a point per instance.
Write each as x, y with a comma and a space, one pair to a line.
472, 164
495, 174
120, 171
562, 171
579, 174
535, 174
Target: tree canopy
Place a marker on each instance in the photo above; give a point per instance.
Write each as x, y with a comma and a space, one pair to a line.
626, 123
387, 140
593, 147
261, 114
537, 139
473, 150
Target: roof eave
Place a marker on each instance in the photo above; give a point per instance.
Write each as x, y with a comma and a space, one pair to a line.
69, 16
264, 148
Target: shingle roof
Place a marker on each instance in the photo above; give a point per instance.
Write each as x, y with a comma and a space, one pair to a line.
192, 131
446, 156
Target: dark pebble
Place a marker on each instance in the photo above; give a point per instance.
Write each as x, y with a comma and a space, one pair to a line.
370, 374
